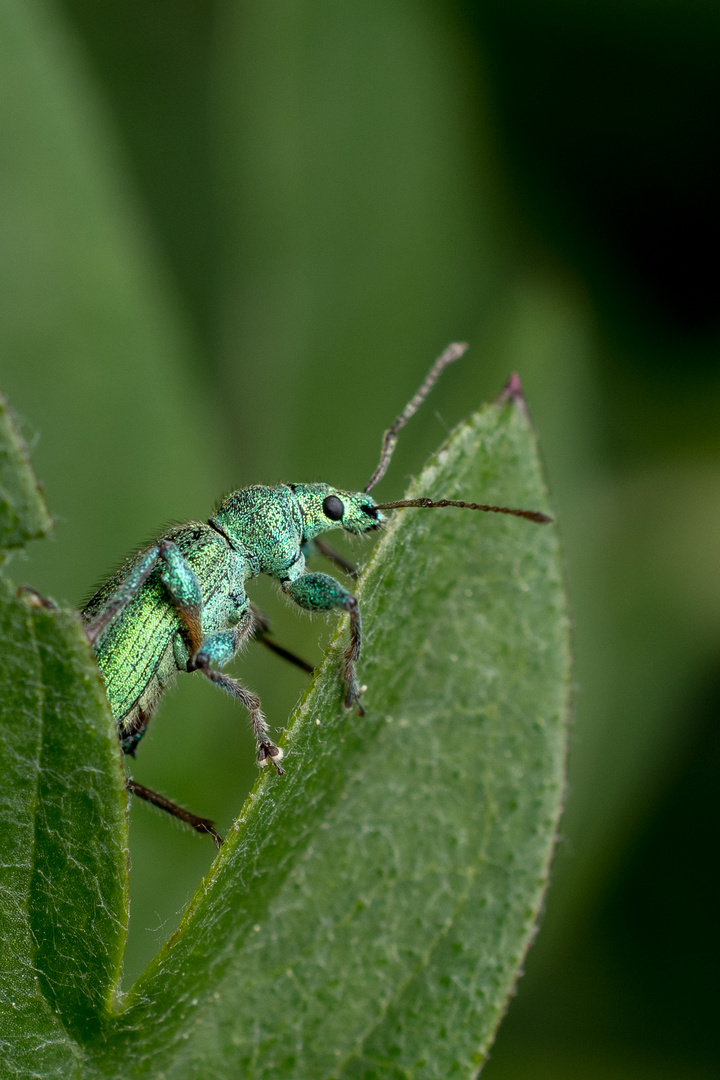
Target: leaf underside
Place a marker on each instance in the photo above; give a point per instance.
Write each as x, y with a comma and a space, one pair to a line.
370, 910
63, 826
23, 513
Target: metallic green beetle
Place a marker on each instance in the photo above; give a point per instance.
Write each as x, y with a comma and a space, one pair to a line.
181, 604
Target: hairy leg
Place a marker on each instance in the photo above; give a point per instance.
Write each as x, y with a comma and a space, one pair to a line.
320, 592
201, 825
216, 651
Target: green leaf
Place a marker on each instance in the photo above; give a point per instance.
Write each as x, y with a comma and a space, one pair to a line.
78, 902
23, 513
63, 828
100, 361
370, 910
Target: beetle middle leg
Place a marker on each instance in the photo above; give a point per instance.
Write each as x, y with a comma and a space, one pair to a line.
261, 632
216, 651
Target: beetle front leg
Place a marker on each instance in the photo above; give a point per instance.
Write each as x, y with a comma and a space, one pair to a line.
320, 592
334, 556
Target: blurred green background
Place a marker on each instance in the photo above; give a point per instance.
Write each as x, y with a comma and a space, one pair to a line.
233, 237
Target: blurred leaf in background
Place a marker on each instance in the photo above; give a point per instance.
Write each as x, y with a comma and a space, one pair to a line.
234, 234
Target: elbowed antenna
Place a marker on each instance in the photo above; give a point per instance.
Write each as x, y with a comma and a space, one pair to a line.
428, 504
453, 352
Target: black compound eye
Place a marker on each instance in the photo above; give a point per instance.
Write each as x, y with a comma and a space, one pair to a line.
333, 508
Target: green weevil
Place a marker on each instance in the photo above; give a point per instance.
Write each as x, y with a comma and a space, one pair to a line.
181, 604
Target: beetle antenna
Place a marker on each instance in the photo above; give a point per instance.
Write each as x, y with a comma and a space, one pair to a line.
428, 504
453, 352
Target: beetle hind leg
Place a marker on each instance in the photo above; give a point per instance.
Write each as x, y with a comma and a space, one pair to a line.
201, 825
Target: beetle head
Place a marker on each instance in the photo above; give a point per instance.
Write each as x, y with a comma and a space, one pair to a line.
324, 508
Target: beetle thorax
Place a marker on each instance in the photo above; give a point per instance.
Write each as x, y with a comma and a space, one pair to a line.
264, 523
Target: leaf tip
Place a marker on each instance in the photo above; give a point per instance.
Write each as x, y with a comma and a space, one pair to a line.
513, 392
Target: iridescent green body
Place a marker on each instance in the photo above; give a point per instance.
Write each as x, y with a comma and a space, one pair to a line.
181, 604
141, 652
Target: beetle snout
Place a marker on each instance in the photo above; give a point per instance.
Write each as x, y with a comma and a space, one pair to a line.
374, 514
